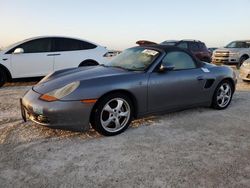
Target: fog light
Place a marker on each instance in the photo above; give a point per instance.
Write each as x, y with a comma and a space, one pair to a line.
42, 119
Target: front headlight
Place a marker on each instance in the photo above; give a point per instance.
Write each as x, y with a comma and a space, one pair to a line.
58, 94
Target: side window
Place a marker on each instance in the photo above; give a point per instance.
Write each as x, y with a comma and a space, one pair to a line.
65, 44
194, 46
183, 45
180, 60
87, 46
35, 46
202, 46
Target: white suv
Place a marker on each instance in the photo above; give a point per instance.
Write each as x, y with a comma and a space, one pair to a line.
235, 52
40, 55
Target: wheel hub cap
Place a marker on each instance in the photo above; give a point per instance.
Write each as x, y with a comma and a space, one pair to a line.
224, 95
115, 115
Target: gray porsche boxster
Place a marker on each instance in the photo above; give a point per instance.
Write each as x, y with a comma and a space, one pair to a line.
141, 81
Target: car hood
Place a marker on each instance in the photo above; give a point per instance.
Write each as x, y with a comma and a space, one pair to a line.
85, 75
232, 50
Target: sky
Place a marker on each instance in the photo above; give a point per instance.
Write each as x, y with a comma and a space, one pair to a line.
118, 24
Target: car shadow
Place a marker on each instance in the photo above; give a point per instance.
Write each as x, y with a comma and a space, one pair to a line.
23, 82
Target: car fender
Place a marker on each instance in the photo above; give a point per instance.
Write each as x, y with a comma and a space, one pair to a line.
96, 88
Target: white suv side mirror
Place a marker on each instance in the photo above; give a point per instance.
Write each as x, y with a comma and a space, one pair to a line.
18, 51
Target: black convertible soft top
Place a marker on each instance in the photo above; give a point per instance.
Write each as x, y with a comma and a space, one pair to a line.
168, 48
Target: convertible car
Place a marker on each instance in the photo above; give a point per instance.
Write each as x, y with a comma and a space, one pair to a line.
143, 80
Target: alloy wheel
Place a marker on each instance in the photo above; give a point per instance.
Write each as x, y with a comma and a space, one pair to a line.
115, 115
224, 95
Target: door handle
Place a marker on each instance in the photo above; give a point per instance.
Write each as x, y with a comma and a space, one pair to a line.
200, 78
53, 54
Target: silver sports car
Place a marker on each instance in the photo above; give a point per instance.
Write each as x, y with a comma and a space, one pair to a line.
141, 81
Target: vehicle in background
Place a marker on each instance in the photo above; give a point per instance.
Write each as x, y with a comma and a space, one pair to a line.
39, 56
112, 53
141, 81
245, 70
234, 53
170, 42
212, 49
145, 42
197, 47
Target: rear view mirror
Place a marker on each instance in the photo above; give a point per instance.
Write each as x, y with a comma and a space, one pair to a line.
164, 68
18, 51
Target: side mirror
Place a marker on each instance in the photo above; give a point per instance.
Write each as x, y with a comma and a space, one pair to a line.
18, 51
164, 68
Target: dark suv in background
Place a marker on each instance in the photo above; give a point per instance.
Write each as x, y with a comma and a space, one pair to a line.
197, 47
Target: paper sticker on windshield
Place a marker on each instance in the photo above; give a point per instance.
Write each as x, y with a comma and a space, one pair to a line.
205, 70
150, 52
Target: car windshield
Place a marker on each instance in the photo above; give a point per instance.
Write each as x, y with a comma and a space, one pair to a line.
238, 44
134, 59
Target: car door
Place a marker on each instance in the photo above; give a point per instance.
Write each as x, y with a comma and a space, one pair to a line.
34, 60
71, 52
180, 87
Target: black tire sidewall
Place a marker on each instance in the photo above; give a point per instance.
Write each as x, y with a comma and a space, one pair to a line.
215, 102
88, 63
96, 124
242, 59
3, 77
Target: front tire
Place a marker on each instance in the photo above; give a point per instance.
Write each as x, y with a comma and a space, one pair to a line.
113, 114
3, 77
223, 95
242, 59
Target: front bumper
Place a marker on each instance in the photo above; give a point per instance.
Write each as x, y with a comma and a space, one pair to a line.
245, 73
225, 60
72, 115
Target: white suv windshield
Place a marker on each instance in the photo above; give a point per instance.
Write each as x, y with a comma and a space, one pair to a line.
238, 44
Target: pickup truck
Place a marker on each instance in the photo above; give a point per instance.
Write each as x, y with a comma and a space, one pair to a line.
234, 53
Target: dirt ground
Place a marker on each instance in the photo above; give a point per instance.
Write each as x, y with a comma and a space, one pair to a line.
199, 147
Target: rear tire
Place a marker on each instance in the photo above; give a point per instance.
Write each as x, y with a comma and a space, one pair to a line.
222, 95
3, 77
113, 114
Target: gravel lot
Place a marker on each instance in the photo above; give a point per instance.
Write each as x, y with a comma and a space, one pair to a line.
199, 147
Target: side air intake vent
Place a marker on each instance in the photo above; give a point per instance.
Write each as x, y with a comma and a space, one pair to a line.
209, 83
